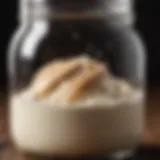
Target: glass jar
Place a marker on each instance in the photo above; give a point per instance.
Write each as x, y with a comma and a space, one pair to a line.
77, 75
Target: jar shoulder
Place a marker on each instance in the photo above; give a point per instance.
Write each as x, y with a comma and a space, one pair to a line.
73, 38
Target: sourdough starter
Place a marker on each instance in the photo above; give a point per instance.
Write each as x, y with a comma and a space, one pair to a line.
106, 118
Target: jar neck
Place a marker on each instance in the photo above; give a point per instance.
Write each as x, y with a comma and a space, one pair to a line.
110, 10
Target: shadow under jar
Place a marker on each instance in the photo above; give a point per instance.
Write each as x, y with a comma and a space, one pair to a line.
108, 116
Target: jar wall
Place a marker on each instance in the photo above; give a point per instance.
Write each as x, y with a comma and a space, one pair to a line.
106, 116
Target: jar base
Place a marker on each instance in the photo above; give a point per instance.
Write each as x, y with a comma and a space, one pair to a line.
120, 155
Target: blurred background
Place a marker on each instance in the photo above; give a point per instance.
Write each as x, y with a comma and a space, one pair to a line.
147, 24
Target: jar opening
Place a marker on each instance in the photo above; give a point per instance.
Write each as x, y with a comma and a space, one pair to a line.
78, 9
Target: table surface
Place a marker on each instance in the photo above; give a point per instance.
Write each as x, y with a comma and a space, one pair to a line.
151, 141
